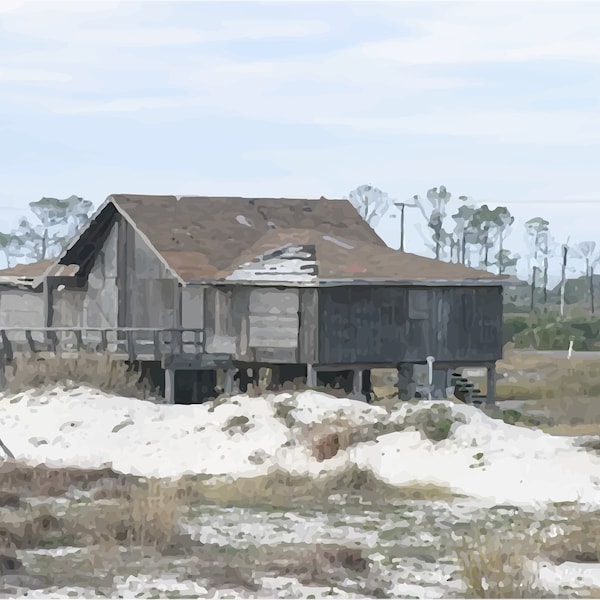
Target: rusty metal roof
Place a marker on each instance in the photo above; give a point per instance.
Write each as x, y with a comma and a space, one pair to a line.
212, 239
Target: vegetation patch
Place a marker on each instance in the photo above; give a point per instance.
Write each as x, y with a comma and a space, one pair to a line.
95, 369
435, 422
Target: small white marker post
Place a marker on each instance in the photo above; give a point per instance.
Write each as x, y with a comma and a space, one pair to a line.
430, 360
570, 352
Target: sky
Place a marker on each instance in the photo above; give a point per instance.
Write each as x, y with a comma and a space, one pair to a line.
498, 101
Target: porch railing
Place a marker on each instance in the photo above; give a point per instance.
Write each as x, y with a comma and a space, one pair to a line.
132, 343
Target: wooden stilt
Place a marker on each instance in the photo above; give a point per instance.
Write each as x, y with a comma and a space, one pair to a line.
228, 383
170, 386
367, 386
491, 384
357, 383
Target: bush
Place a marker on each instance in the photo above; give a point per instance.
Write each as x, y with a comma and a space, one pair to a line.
513, 325
548, 332
434, 422
98, 370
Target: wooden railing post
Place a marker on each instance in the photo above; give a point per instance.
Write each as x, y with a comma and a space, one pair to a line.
156, 343
7, 347
53, 341
130, 345
166, 342
79, 338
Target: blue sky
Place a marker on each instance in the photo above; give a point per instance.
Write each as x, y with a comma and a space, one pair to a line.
497, 101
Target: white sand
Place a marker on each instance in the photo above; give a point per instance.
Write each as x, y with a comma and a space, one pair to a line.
90, 429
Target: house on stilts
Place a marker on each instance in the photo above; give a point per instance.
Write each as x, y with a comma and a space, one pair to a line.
200, 289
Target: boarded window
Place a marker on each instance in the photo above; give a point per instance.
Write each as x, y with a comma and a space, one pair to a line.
273, 319
418, 304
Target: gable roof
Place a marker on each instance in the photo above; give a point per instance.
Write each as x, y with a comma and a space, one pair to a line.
211, 239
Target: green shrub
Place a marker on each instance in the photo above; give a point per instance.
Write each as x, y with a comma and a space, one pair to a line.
548, 332
434, 422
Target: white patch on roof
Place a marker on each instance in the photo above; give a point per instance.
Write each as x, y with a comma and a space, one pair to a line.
333, 240
286, 264
242, 220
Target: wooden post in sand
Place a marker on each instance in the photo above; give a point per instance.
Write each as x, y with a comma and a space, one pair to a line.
170, 385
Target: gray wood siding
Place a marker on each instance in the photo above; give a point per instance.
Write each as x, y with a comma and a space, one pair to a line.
192, 307
221, 333
309, 319
252, 324
21, 308
67, 307
473, 327
101, 300
149, 292
273, 318
378, 324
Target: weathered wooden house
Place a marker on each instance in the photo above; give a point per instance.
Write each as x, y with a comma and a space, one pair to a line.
192, 285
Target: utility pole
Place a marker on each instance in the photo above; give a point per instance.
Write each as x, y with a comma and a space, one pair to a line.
563, 279
401, 206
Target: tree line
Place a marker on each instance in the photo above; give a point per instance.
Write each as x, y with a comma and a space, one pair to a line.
56, 221
458, 230
461, 231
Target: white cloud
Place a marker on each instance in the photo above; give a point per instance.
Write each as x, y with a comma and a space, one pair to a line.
507, 126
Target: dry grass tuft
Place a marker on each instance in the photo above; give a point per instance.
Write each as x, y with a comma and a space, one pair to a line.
153, 508
18, 479
572, 535
98, 370
495, 565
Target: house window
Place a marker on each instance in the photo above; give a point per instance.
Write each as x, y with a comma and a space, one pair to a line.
418, 304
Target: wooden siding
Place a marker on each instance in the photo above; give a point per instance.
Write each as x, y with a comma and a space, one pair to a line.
67, 307
21, 308
273, 318
149, 292
373, 325
192, 307
309, 316
473, 327
220, 328
101, 298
